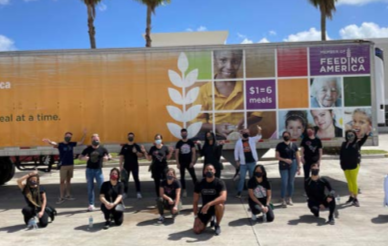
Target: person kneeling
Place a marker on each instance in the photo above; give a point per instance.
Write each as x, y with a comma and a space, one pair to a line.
259, 189
170, 192
213, 192
317, 197
111, 196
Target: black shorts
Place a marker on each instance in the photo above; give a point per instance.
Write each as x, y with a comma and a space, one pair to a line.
205, 218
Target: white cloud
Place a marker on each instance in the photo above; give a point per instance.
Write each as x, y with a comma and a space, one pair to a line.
310, 35
247, 41
263, 40
102, 7
189, 30
4, 2
366, 30
242, 36
201, 29
272, 33
359, 2
6, 44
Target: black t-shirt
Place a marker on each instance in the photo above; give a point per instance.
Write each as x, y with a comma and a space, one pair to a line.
247, 152
170, 190
159, 157
315, 190
259, 189
286, 151
66, 154
111, 192
311, 149
209, 191
130, 157
185, 151
96, 156
29, 203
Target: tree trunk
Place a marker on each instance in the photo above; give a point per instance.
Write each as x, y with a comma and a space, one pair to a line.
323, 24
92, 31
148, 28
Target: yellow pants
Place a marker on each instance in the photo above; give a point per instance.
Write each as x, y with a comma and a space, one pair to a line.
351, 177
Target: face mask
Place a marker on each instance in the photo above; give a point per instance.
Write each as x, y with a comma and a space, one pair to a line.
184, 136
170, 177
209, 138
350, 137
286, 138
32, 183
158, 141
259, 175
130, 139
315, 172
114, 177
95, 142
245, 135
67, 139
209, 174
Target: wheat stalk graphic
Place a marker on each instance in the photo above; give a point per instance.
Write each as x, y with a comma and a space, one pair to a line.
183, 115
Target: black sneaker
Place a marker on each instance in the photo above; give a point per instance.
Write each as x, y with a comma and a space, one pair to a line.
107, 225
217, 229
356, 203
330, 221
238, 195
350, 200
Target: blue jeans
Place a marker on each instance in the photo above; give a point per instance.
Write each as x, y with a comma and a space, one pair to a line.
243, 173
92, 174
288, 179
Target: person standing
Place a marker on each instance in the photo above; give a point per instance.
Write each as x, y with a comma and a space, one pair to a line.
212, 152
287, 154
185, 155
214, 194
311, 151
158, 154
246, 157
129, 155
66, 164
350, 158
95, 155
170, 191
317, 198
111, 195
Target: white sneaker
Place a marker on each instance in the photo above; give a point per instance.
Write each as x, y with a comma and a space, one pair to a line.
253, 218
139, 196
91, 208
184, 194
161, 219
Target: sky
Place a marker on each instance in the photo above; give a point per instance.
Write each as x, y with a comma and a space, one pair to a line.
62, 24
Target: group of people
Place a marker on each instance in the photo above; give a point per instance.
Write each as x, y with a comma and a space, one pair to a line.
211, 188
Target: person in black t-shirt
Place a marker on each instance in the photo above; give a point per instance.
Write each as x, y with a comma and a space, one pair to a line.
317, 198
170, 191
158, 154
95, 155
35, 196
129, 155
186, 156
66, 163
111, 195
259, 189
289, 165
311, 151
212, 152
214, 194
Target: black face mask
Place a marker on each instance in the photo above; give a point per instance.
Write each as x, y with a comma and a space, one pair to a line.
184, 136
170, 177
209, 174
67, 139
245, 135
130, 139
286, 138
315, 172
95, 143
32, 183
259, 175
210, 137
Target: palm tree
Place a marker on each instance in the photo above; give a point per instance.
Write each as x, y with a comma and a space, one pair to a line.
91, 7
151, 6
327, 7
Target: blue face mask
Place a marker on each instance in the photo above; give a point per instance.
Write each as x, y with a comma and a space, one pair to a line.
209, 174
158, 141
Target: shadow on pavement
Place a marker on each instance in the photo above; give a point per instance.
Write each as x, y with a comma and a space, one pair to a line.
241, 222
307, 219
13, 229
154, 222
204, 236
96, 227
381, 219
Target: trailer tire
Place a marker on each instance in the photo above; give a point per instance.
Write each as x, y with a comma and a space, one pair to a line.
7, 170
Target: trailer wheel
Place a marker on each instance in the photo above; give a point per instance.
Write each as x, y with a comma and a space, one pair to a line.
7, 170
